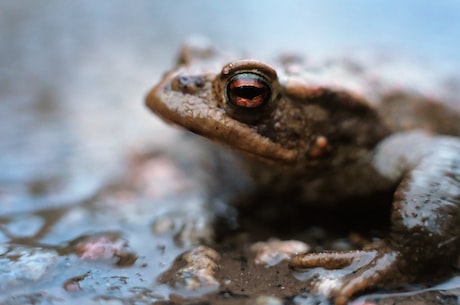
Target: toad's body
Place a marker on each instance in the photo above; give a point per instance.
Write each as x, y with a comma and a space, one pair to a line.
326, 134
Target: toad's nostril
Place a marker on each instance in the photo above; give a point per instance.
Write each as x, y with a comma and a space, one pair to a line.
187, 83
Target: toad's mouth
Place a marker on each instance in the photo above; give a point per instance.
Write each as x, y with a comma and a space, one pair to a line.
214, 124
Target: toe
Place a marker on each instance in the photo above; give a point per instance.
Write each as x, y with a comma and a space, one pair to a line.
340, 275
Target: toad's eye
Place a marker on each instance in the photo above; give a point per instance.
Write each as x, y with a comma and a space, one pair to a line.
247, 90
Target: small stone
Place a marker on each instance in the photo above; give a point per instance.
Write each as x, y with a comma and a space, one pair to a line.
268, 300
194, 271
105, 246
20, 264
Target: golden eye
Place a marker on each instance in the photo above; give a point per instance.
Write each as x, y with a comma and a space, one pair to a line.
247, 90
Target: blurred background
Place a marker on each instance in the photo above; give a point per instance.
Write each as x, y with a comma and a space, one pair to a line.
73, 74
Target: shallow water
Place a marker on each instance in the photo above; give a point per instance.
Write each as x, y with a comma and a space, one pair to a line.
84, 163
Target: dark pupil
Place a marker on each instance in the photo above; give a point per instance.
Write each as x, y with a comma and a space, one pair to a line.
249, 92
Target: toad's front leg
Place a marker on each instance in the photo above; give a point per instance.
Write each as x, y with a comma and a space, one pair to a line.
424, 238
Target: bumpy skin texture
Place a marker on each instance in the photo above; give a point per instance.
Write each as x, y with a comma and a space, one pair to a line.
328, 133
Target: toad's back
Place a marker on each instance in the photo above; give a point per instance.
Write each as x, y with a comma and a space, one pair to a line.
401, 103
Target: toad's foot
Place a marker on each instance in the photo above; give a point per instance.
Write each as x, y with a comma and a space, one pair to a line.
340, 275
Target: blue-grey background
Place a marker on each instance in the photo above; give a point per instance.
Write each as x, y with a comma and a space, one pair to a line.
73, 77
73, 74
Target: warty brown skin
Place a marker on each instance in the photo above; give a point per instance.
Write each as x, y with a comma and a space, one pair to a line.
306, 132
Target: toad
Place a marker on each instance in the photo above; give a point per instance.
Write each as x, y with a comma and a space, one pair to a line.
327, 132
